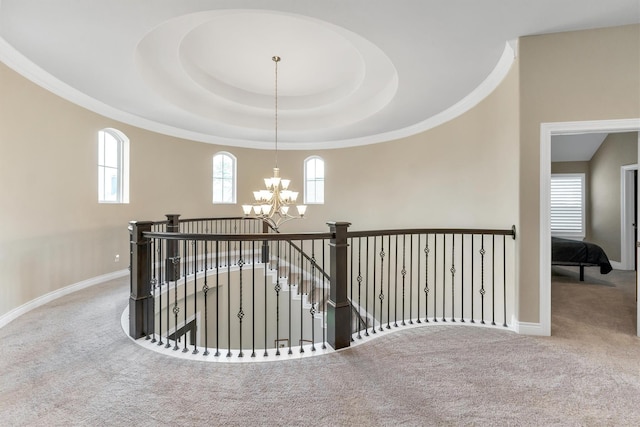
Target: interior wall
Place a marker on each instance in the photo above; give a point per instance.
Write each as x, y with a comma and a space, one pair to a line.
54, 233
617, 150
573, 76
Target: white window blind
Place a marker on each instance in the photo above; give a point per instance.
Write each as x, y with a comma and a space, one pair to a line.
567, 205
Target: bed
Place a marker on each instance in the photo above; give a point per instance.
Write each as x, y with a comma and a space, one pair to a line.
582, 254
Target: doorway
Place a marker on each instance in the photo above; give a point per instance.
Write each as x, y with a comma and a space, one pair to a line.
629, 211
547, 130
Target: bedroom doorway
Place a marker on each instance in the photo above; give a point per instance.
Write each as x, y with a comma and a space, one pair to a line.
547, 131
629, 211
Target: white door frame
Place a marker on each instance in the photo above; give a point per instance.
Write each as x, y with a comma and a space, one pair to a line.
547, 130
627, 243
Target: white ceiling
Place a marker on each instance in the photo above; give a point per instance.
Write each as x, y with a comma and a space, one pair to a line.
575, 148
353, 72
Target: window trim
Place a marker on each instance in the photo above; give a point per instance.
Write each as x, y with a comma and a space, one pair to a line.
122, 192
567, 233
234, 179
307, 180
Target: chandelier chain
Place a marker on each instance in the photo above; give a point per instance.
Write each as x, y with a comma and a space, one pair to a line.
276, 59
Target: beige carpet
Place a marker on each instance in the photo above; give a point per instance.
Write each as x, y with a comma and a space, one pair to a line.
69, 363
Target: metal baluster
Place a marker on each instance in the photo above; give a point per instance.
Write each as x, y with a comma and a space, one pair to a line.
404, 273
435, 276
228, 298
253, 296
195, 297
205, 291
277, 289
289, 281
389, 279
186, 258
351, 288
473, 271
410, 280
265, 305
313, 309
240, 311
444, 275
418, 284
324, 299
373, 296
301, 291
173, 278
366, 291
493, 280
453, 277
154, 281
176, 309
381, 296
462, 279
217, 354
395, 284
426, 278
160, 295
359, 283
482, 291
504, 279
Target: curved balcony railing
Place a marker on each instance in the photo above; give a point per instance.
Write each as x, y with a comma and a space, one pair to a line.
230, 286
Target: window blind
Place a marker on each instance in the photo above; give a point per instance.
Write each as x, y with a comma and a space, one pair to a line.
567, 205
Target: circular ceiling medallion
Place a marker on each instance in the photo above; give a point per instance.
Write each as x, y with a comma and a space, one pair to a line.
217, 65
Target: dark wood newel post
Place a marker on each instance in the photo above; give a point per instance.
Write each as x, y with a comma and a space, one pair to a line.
265, 244
140, 302
338, 314
172, 267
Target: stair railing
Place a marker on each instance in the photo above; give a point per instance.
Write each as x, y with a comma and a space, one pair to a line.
185, 278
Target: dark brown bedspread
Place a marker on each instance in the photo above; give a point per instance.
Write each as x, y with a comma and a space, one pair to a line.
573, 252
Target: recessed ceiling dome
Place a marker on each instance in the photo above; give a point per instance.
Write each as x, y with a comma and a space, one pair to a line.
213, 65
352, 72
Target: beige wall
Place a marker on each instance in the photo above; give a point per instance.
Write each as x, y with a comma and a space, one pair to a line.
617, 150
575, 76
570, 167
54, 232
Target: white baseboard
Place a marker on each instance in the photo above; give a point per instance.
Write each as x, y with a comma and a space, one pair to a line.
618, 265
44, 299
527, 328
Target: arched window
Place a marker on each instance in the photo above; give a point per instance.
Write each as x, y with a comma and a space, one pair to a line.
314, 180
224, 178
113, 166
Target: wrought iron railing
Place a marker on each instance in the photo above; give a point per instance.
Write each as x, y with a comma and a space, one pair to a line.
229, 285
400, 277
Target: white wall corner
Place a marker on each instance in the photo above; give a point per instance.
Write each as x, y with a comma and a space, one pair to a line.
528, 328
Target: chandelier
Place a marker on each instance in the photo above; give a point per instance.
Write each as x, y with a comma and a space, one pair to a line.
273, 203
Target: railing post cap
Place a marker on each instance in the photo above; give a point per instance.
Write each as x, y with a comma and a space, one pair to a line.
338, 224
140, 223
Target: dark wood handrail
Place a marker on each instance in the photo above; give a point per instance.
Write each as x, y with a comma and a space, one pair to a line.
372, 233
228, 218
236, 237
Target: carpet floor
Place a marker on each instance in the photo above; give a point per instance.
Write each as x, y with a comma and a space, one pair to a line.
68, 363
